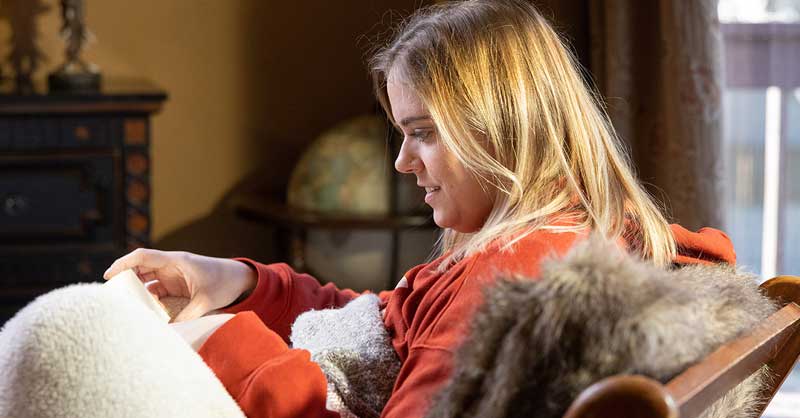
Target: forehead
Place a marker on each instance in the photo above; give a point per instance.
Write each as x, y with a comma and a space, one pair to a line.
404, 100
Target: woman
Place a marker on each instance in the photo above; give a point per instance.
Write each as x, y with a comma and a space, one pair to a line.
518, 163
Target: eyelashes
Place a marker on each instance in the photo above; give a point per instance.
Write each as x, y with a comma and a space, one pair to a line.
421, 135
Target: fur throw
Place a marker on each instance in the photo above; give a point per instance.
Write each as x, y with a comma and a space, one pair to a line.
534, 345
92, 351
355, 353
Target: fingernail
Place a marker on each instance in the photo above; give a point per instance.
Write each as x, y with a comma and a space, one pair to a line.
105, 274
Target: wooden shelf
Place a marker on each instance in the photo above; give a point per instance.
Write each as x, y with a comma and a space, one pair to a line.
115, 95
271, 209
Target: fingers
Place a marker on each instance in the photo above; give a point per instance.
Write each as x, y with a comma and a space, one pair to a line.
146, 277
143, 261
195, 309
156, 288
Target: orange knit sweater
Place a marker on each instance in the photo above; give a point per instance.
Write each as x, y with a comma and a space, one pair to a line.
426, 316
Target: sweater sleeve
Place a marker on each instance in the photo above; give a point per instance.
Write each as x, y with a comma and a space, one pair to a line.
262, 374
705, 246
282, 294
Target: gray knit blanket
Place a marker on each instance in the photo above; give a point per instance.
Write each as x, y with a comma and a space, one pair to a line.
355, 353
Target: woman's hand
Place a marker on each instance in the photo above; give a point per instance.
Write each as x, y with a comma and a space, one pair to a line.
197, 331
209, 283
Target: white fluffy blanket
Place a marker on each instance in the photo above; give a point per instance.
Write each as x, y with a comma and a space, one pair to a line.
90, 351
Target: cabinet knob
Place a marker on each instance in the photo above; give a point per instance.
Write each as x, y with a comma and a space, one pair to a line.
15, 205
92, 215
82, 133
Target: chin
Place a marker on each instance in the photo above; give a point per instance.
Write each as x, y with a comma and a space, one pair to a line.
441, 221
439, 224
458, 228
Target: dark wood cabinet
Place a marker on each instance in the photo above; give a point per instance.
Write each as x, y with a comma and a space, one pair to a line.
74, 185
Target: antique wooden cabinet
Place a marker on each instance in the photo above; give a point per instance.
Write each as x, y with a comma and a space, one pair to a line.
74, 185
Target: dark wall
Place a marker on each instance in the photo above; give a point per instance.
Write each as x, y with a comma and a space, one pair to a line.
313, 76
571, 19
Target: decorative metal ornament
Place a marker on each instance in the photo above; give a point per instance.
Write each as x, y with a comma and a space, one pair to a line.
25, 56
75, 74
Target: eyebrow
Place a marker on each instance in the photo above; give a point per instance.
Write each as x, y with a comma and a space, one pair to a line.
410, 119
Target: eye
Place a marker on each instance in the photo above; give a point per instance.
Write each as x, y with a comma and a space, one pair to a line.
421, 135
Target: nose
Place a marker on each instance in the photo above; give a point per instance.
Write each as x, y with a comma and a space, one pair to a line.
407, 159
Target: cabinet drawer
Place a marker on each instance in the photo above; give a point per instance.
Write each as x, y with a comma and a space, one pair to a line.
25, 276
57, 199
24, 133
29, 133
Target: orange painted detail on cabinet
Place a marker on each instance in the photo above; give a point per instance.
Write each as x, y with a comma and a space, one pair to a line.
137, 224
82, 133
135, 131
137, 192
136, 164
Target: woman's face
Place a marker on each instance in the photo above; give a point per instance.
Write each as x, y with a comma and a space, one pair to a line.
456, 196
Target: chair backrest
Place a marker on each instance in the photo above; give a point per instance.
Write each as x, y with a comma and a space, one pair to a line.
774, 342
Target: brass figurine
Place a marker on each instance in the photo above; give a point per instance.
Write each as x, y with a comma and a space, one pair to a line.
75, 74
25, 56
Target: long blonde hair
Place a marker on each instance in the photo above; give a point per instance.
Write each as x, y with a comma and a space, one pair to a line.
509, 103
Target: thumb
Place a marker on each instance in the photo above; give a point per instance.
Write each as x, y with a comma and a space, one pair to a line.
196, 308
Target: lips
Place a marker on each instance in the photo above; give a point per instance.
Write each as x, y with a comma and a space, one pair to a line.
430, 191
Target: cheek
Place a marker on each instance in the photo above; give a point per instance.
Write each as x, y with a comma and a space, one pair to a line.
449, 170
462, 188
474, 198
481, 198
434, 159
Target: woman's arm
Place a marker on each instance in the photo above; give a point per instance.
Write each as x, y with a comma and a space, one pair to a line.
263, 375
281, 294
208, 282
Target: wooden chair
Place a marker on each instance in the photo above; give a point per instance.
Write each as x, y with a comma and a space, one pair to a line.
775, 342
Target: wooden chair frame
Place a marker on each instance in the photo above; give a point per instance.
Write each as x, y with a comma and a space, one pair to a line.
774, 342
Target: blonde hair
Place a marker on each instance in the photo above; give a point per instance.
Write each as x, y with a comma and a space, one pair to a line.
508, 102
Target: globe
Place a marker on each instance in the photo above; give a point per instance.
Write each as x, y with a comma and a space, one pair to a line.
345, 170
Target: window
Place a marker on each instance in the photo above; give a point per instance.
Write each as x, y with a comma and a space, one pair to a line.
761, 132
761, 143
